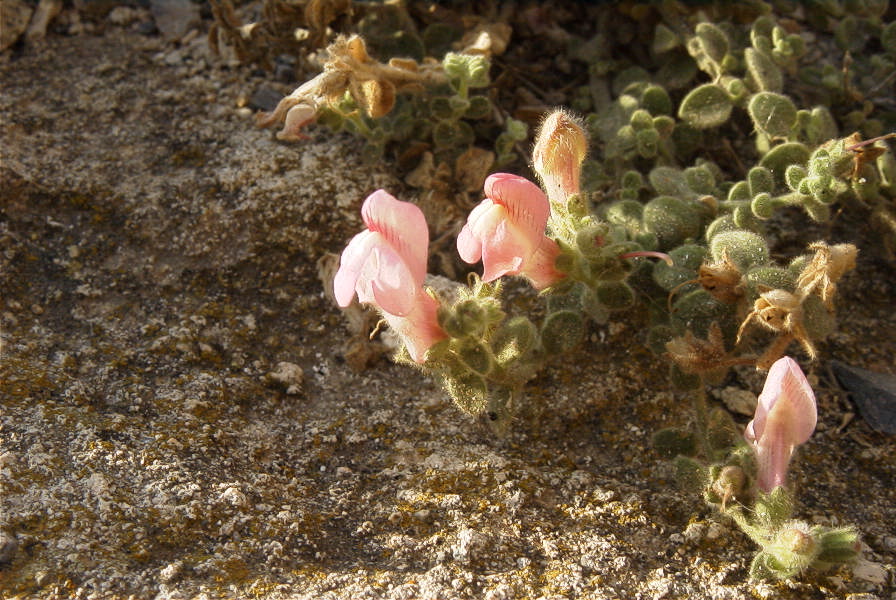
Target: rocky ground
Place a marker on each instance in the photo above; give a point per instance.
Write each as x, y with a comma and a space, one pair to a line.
177, 419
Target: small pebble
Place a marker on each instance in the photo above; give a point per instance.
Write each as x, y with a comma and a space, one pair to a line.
738, 401
289, 375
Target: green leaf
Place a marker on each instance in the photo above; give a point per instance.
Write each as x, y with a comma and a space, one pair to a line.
713, 41
469, 68
763, 70
744, 248
513, 339
562, 331
761, 181
656, 100
782, 156
773, 114
708, 105
475, 355
672, 220
469, 391
664, 39
615, 295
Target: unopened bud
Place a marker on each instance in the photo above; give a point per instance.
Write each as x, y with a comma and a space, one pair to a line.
727, 484
465, 318
559, 151
797, 541
794, 548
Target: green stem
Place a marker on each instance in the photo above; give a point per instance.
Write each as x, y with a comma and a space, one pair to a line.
753, 532
356, 118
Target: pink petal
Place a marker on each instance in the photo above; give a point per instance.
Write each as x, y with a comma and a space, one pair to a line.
404, 227
772, 462
419, 330
351, 264
504, 251
392, 283
540, 267
786, 415
469, 244
787, 398
527, 206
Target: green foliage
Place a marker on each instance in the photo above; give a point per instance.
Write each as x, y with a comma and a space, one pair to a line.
708, 105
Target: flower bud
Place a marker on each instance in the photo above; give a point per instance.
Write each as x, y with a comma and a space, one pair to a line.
729, 483
559, 151
793, 549
465, 318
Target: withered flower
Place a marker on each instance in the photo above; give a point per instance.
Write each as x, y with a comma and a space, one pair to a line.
722, 279
702, 357
781, 312
372, 84
825, 269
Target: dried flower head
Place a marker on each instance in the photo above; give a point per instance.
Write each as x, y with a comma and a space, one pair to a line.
826, 268
866, 152
372, 84
702, 357
781, 312
722, 279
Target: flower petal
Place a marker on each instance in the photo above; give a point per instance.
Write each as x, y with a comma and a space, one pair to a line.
786, 415
403, 225
540, 268
392, 283
504, 251
527, 206
351, 264
419, 329
787, 398
469, 242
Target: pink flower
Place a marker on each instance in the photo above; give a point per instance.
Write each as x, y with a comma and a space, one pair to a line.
386, 266
506, 231
785, 417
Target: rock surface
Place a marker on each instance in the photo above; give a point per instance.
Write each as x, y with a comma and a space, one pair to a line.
158, 262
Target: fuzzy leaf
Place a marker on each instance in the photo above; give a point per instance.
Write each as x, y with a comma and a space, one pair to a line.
763, 70
772, 113
708, 105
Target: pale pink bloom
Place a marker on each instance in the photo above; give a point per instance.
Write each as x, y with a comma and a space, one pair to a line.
506, 231
560, 149
785, 418
386, 267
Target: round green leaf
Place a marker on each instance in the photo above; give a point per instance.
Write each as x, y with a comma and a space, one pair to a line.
708, 105
772, 113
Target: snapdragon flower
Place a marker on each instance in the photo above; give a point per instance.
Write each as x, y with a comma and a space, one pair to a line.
785, 417
507, 232
386, 267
